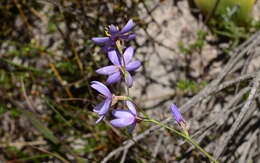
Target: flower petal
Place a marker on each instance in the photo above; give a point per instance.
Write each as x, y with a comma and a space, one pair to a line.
106, 48
113, 57
100, 118
112, 29
128, 54
128, 27
113, 78
98, 107
105, 107
122, 122
131, 107
107, 70
128, 37
100, 40
101, 88
129, 80
119, 113
132, 66
131, 128
176, 113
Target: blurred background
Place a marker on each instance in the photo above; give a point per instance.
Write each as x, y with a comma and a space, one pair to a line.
47, 60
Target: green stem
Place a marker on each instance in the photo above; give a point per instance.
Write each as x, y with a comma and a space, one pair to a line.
187, 138
120, 49
28, 68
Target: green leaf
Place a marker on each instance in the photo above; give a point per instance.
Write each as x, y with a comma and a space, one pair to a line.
46, 132
3, 109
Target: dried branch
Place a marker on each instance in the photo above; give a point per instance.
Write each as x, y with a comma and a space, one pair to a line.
243, 112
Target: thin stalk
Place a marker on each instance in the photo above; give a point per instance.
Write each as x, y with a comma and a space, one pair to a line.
187, 138
119, 48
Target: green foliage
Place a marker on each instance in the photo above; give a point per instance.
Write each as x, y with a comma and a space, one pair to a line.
14, 152
229, 28
69, 66
186, 85
245, 96
197, 45
52, 27
3, 109
190, 86
217, 8
46, 132
183, 49
15, 113
231, 20
35, 159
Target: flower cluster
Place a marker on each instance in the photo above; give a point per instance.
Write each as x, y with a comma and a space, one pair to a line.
122, 65
119, 70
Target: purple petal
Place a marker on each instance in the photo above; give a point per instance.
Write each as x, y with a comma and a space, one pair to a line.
176, 113
128, 37
129, 80
113, 29
131, 128
100, 40
107, 70
100, 118
105, 107
101, 88
119, 113
131, 107
128, 27
122, 122
128, 54
113, 57
115, 77
109, 45
105, 48
132, 66
98, 107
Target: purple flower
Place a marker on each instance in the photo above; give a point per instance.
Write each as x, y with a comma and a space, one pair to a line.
176, 114
125, 117
103, 107
116, 71
114, 34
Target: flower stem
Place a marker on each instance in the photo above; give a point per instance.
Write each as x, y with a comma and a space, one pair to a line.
187, 138
120, 49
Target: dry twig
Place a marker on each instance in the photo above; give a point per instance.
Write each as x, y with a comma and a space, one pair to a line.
243, 112
212, 88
